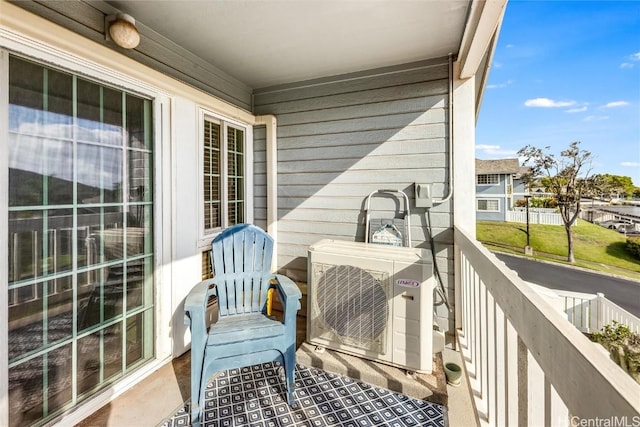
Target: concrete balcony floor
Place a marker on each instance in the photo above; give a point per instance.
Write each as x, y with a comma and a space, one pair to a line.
160, 395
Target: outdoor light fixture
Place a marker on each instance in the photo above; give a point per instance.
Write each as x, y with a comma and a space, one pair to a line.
121, 29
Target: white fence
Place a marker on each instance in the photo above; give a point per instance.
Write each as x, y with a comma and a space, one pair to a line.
536, 218
542, 210
590, 313
525, 363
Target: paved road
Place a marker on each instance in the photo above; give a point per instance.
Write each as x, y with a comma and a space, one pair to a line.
625, 293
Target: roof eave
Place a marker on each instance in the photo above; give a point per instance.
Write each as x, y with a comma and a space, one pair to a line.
479, 42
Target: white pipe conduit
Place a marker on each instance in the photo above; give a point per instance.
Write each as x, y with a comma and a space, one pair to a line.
450, 136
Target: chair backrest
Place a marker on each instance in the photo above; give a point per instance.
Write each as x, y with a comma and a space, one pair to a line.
241, 265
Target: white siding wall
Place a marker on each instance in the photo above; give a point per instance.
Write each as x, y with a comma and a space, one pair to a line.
340, 140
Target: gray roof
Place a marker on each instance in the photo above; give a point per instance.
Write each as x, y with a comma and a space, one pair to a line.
501, 166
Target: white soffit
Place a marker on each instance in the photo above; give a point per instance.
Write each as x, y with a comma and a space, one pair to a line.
266, 43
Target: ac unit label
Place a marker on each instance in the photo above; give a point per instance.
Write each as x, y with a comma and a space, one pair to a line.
408, 283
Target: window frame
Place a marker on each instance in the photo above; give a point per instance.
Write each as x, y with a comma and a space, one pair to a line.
206, 235
487, 175
56, 58
487, 200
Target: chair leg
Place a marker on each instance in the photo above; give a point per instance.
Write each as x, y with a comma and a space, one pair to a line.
289, 359
195, 401
198, 386
195, 414
196, 405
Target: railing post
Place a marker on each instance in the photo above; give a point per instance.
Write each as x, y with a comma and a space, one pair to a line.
457, 291
512, 375
600, 317
523, 382
537, 398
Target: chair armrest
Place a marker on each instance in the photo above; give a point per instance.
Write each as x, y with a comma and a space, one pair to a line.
289, 297
287, 288
195, 304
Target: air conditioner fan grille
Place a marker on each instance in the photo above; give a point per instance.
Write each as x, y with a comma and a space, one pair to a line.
354, 304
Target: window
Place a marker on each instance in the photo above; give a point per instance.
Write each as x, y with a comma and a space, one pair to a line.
488, 179
224, 175
80, 231
491, 205
212, 176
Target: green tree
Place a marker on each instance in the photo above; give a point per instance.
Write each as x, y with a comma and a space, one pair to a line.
566, 177
614, 184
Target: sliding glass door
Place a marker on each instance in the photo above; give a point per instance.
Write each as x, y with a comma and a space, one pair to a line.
80, 238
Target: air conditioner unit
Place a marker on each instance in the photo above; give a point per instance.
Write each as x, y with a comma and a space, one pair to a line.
372, 301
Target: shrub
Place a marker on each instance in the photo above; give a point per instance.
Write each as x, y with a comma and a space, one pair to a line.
633, 246
614, 333
623, 346
538, 202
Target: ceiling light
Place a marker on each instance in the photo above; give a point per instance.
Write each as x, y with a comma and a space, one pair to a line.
121, 29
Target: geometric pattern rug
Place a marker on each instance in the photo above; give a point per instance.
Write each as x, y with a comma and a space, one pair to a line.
255, 396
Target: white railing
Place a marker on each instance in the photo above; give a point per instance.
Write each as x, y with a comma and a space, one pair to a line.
590, 313
587, 312
536, 218
526, 364
531, 210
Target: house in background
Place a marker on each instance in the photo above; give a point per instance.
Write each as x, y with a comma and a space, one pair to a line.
499, 185
121, 162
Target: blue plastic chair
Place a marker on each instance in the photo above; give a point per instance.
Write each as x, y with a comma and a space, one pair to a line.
243, 335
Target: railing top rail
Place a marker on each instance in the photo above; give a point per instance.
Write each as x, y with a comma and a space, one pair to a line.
587, 381
572, 294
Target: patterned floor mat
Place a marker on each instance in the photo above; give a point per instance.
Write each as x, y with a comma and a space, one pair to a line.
254, 396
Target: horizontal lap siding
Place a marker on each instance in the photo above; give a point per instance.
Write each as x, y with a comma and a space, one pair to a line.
337, 142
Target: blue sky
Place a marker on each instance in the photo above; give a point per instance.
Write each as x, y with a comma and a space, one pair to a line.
566, 71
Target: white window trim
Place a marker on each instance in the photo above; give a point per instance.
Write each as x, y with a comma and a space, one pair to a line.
4, 235
205, 237
487, 210
488, 174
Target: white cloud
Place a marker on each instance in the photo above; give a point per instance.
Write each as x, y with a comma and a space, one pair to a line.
547, 103
500, 85
595, 118
614, 104
495, 150
632, 57
577, 110
632, 164
486, 147
509, 46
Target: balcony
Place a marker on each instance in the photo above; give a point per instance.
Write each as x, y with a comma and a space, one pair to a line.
525, 363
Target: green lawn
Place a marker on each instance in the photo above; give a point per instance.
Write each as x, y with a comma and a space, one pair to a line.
595, 247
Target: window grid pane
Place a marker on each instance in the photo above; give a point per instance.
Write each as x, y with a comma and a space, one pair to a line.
235, 179
212, 177
488, 205
488, 179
